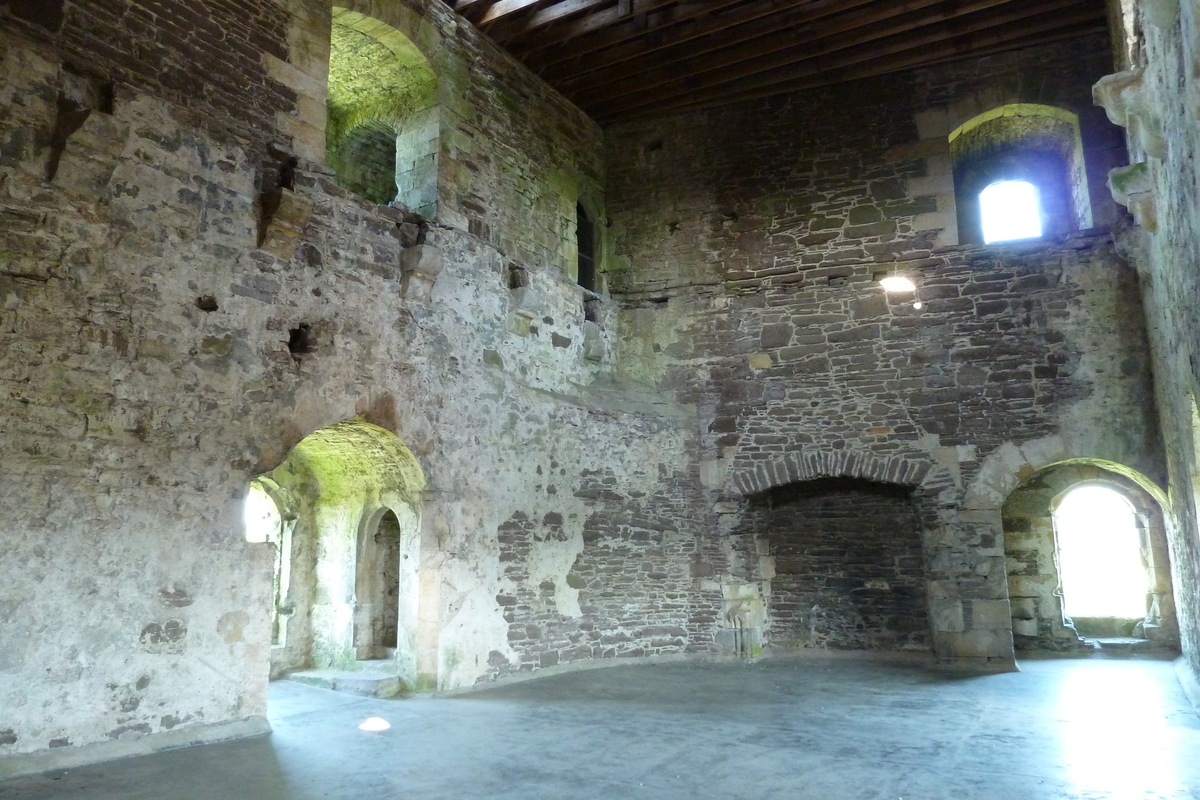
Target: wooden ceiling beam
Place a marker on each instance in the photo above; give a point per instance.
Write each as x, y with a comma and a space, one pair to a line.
798, 61
472, 10
506, 8
733, 27
573, 36
920, 59
759, 39
508, 28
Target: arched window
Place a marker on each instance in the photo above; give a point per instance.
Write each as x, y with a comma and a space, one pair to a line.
382, 129
1101, 566
1027, 160
265, 523
1010, 210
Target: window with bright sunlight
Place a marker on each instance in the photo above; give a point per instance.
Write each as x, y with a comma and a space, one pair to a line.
1010, 210
260, 516
1099, 549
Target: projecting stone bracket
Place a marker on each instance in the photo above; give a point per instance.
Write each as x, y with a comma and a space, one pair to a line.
1133, 187
593, 342
85, 150
1129, 101
285, 214
420, 266
526, 302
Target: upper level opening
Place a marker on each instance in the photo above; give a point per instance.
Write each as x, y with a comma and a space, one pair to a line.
382, 129
1019, 174
1010, 211
585, 232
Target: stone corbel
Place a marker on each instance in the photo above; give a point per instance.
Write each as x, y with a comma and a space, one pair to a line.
85, 150
593, 342
1133, 187
420, 266
285, 214
526, 302
1129, 102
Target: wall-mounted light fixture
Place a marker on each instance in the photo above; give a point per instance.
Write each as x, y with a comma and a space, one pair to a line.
895, 283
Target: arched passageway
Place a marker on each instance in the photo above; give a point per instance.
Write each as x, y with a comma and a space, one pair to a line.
1086, 555
383, 120
377, 588
1100, 560
353, 493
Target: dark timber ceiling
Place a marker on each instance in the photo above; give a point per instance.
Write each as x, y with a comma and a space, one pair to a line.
629, 59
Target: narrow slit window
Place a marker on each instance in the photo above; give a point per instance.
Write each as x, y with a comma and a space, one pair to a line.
1010, 210
586, 233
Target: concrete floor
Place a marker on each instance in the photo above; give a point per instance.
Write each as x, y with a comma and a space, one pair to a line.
778, 728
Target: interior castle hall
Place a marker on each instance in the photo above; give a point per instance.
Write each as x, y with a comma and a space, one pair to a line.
376, 371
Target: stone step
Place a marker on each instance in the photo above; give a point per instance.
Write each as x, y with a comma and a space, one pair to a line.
363, 682
1117, 645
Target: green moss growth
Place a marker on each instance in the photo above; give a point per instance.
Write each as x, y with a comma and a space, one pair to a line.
341, 463
371, 82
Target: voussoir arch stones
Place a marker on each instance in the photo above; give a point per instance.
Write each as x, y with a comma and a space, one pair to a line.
1008, 465
905, 470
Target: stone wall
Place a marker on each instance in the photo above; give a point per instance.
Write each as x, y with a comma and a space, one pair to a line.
187, 296
1155, 98
755, 279
849, 567
803, 187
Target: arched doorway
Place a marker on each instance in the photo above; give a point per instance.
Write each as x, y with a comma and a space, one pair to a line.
1102, 568
383, 122
1052, 570
354, 585
377, 589
267, 518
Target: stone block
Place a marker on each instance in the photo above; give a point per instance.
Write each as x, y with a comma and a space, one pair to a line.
593, 342
526, 299
420, 267
978, 643
287, 213
760, 361
1129, 101
1042, 586
946, 615
1025, 627
992, 614
1023, 608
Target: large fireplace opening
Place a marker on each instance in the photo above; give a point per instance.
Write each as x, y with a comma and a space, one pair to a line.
849, 566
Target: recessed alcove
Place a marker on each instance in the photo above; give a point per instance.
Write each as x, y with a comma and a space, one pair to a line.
849, 566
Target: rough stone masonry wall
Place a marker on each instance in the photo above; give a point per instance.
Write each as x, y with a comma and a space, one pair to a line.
148, 377
755, 279
849, 569
1156, 97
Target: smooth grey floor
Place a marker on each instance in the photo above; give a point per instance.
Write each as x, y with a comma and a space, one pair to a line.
778, 728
